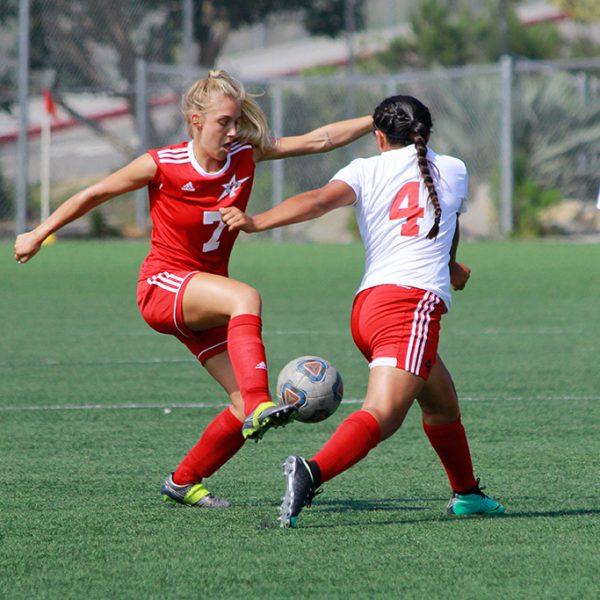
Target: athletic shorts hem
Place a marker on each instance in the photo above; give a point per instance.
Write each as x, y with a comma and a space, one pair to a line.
390, 361
160, 300
398, 327
211, 351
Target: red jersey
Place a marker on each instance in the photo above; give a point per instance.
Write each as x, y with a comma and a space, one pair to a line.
188, 233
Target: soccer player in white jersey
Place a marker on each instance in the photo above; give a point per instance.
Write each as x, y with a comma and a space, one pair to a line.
407, 201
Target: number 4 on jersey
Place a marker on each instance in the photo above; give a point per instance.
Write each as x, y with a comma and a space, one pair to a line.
406, 206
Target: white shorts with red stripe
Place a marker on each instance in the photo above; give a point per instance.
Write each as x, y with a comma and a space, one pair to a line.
398, 326
160, 300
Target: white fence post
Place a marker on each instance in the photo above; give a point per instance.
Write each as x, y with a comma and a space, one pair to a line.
277, 166
23, 141
506, 146
141, 117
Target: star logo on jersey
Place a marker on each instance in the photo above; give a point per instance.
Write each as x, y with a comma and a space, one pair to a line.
232, 187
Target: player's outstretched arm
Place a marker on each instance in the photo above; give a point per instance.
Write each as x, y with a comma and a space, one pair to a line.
459, 272
303, 207
323, 139
136, 174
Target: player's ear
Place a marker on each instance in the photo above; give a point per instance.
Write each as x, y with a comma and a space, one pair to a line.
196, 120
381, 140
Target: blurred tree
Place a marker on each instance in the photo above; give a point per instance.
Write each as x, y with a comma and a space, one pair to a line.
214, 20
556, 135
8, 11
587, 11
94, 45
454, 33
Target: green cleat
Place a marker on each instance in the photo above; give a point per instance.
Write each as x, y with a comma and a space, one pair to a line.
194, 494
265, 416
474, 503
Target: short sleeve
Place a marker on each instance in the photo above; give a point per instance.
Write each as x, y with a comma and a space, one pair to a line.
351, 175
157, 176
463, 190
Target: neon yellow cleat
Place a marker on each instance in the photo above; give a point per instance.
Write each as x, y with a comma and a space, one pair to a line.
265, 416
194, 494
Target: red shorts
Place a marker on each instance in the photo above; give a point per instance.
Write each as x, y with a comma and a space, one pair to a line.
160, 300
398, 326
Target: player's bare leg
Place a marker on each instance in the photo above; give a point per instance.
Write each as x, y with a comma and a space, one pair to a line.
219, 442
438, 398
390, 395
442, 424
220, 368
211, 300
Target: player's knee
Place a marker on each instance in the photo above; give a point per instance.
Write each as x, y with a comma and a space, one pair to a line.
248, 301
389, 420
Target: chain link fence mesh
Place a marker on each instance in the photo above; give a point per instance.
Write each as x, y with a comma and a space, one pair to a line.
556, 129
85, 51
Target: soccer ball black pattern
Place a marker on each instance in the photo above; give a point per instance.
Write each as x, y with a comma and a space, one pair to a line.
312, 384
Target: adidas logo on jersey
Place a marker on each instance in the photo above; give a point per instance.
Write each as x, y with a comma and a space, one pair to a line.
188, 187
261, 365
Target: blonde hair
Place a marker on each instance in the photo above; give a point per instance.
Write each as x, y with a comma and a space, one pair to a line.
252, 128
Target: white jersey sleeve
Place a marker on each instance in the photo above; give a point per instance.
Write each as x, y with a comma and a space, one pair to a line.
351, 175
462, 186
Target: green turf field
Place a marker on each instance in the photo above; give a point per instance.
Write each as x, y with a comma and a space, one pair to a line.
80, 512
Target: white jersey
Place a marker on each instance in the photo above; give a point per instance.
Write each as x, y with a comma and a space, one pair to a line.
395, 215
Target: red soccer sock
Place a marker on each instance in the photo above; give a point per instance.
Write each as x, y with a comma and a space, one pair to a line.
247, 355
450, 443
351, 442
219, 442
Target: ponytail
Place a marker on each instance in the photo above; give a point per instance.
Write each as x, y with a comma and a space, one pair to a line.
405, 120
423, 163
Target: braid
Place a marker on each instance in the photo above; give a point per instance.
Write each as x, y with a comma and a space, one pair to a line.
423, 163
405, 120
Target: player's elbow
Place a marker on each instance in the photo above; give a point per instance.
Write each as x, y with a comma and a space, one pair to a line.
321, 141
91, 198
96, 194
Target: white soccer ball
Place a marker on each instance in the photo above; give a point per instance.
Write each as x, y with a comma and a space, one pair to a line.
312, 384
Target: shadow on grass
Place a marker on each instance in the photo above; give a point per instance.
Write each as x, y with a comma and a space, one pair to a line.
449, 519
519, 514
372, 504
347, 505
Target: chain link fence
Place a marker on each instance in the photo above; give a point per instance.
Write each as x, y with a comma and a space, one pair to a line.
529, 132
111, 107
84, 51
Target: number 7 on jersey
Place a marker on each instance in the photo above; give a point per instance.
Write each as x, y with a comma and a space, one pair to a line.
211, 217
406, 206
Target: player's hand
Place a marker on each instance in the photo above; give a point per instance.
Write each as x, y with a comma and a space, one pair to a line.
459, 275
27, 245
236, 220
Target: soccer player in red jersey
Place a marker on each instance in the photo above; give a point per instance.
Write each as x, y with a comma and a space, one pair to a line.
184, 288
407, 201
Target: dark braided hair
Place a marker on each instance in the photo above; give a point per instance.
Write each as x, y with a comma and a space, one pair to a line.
404, 120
